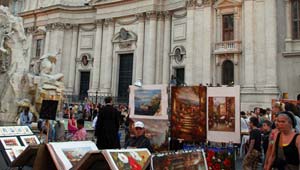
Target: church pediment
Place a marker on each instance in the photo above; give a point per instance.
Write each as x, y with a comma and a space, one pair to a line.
227, 3
124, 36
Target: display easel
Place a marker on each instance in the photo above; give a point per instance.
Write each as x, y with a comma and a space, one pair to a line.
26, 158
92, 160
43, 159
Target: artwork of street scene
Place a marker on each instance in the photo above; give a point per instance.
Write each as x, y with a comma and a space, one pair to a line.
188, 113
221, 114
147, 102
189, 160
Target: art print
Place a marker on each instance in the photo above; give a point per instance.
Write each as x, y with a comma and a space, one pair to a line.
188, 118
27, 130
19, 130
192, 160
149, 102
30, 140
221, 114
10, 154
9, 142
18, 150
127, 159
69, 153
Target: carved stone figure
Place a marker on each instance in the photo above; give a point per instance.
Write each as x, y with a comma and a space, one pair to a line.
47, 62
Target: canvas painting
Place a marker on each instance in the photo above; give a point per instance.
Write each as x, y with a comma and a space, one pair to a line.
223, 113
188, 117
69, 153
149, 102
191, 160
9, 142
127, 159
157, 132
29, 140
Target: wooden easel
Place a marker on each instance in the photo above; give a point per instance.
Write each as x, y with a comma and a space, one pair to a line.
47, 124
92, 160
26, 158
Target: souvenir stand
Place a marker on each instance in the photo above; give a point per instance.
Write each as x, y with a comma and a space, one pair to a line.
13, 141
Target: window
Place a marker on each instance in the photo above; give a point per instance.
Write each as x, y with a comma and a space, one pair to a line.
228, 25
296, 19
227, 72
38, 51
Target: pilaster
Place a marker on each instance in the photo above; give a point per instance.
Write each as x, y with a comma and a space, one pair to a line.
149, 60
140, 47
159, 48
288, 14
167, 48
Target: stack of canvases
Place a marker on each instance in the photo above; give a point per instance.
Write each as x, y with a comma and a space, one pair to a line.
149, 104
202, 114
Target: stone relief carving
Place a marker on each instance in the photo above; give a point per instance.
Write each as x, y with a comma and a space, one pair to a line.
127, 22
124, 38
178, 54
85, 60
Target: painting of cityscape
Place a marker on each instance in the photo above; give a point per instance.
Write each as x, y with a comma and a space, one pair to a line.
192, 160
221, 114
188, 118
148, 102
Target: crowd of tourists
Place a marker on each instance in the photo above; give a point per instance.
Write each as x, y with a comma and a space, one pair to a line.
273, 137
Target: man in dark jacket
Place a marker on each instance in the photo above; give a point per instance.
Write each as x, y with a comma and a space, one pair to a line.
139, 140
107, 126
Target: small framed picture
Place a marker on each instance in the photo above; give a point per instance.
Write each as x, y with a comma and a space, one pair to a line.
10, 154
27, 130
9, 142
19, 130
29, 140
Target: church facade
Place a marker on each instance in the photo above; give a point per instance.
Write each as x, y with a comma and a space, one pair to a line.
103, 46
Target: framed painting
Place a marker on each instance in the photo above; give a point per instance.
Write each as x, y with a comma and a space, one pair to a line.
29, 140
67, 154
9, 142
188, 117
127, 158
148, 102
10, 154
180, 160
27, 130
18, 150
223, 114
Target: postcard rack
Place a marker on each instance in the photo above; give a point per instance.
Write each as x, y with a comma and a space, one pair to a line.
92, 160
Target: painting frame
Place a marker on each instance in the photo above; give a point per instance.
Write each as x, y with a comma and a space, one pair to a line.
60, 158
224, 136
137, 94
32, 137
5, 144
117, 158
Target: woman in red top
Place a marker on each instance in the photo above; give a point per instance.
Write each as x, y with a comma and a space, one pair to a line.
72, 127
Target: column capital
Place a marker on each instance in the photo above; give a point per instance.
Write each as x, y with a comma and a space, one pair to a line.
140, 16
167, 14
99, 22
108, 21
160, 15
151, 15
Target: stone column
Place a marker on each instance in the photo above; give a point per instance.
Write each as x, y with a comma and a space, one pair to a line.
167, 48
288, 13
249, 44
108, 57
149, 59
190, 43
271, 43
72, 59
236, 25
140, 48
97, 55
59, 45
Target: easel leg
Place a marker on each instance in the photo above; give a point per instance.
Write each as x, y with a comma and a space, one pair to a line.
48, 129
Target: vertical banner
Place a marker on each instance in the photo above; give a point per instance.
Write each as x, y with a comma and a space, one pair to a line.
223, 114
188, 118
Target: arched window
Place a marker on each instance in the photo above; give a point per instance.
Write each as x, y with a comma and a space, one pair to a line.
296, 19
227, 72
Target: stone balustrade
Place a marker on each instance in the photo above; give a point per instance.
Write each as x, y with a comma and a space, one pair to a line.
228, 47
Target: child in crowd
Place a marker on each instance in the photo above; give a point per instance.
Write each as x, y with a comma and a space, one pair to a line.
266, 130
80, 134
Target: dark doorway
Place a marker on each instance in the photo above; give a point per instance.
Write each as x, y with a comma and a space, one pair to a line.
84, 84
180, 76
227, 72
125, 77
